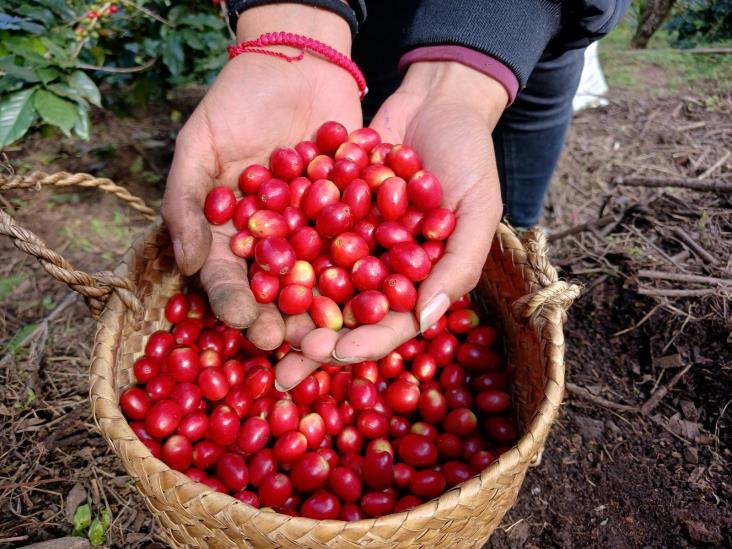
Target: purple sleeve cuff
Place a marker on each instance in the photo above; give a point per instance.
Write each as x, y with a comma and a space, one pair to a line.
470, 58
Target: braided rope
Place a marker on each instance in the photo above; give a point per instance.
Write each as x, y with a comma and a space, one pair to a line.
36, 180
551, 290
96, 288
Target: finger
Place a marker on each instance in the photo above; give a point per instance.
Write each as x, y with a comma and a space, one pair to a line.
373, 341
297, 327
190, 178
292, 369
224, 277
319, 344
459, 269
268, 330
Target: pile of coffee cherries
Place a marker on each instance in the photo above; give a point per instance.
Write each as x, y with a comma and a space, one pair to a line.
343, 227
348, 442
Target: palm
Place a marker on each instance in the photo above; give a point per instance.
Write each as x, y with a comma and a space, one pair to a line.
256, 104
456, 146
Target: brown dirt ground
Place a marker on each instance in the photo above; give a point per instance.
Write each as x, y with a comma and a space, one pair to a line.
607, 478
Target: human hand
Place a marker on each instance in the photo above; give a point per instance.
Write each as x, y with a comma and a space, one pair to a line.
256, 104
446, 112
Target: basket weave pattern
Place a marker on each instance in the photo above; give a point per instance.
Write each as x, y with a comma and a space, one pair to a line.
519, 289
194, 516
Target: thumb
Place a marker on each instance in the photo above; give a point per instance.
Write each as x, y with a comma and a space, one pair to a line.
458, 270
190, 178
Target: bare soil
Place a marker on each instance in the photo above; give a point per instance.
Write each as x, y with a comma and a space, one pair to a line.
616, 471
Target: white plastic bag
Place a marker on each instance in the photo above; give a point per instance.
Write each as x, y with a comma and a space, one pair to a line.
592, 86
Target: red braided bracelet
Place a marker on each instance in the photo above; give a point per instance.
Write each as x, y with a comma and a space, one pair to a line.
302, 43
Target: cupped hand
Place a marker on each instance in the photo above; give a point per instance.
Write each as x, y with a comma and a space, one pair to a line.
256, 104
446, 112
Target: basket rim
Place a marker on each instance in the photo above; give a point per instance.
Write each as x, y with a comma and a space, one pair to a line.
115, 312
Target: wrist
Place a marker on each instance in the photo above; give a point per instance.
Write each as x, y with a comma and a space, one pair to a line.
452, 81
322, 25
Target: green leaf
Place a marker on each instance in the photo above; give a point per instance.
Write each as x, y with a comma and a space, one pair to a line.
136, 165
59, 53
105, 513
61, 7
201, 21
8, 66
64, 90
55, 111
14, 344
86, 87
192, 39
9, 284
16, 115
48, 74
11, 22
173, 55
81, 127
98, 54
36, 13
97, 533
29, 50
82, 519
9, 84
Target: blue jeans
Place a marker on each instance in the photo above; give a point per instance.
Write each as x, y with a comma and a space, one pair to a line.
531, 133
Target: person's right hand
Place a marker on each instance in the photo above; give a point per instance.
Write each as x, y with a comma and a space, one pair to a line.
256, 104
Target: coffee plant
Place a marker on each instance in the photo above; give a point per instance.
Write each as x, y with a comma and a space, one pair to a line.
55, 55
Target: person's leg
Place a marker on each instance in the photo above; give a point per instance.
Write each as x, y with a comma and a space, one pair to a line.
529, 137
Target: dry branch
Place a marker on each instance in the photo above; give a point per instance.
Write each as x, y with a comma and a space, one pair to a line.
694, 246
681, 277
711, 169
675, 292
584, 394
661, 392
716, 185
582, 227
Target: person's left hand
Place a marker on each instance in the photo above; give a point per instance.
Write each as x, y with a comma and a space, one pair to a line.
446, 112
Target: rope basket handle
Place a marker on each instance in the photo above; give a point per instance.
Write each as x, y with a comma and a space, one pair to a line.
552, 291
96, 288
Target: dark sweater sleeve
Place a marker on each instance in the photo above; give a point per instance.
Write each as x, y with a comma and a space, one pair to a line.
515, 32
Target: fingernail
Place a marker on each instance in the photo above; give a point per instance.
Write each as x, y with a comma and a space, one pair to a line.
280, 388
180, 255
432, 312
346, 359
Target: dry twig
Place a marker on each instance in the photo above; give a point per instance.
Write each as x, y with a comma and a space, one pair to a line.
675, 292
661, 392
584, 394
694, 246
681, 277
715, 185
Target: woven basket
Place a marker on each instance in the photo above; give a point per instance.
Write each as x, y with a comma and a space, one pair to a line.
519, 289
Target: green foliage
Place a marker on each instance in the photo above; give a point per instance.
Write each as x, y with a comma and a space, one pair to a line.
701, 21
82, 519
95, 529
55, 54
7, 285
